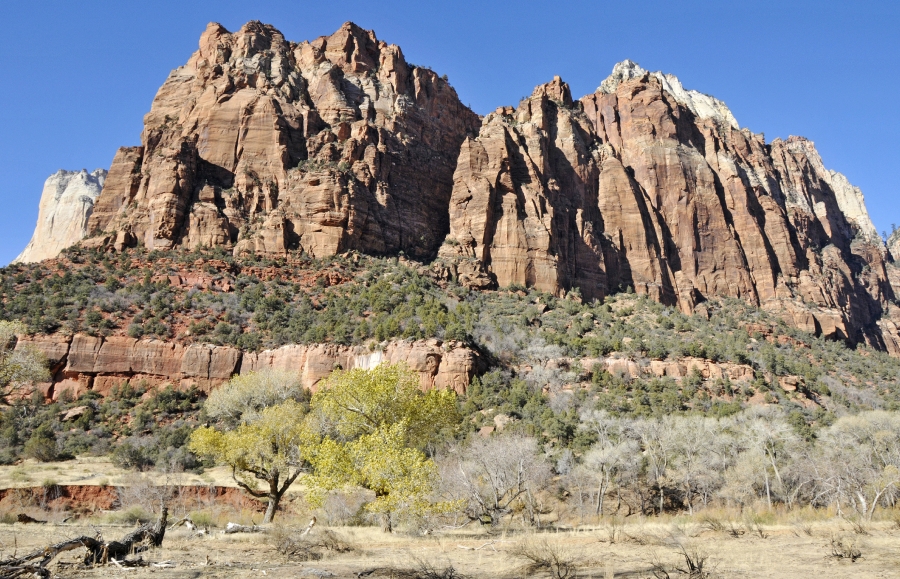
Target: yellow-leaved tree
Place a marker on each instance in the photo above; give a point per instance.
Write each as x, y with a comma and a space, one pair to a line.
262, 433
375, 425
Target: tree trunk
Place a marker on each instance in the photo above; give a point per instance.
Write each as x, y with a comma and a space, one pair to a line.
274, 499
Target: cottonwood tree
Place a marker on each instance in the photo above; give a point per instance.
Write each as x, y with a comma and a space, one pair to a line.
768, 441
611, 457
245, 395
402, 478
374, 426
357, 402
491, 476
262, 435
701, 450
659, 447
271, 449
861, 461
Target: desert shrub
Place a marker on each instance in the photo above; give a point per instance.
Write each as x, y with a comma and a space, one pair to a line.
561, 561
310, 546
845, 548
42, 444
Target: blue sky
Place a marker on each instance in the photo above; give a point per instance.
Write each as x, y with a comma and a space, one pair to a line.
79, 76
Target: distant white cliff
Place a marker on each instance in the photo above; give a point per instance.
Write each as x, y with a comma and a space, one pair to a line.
66, 204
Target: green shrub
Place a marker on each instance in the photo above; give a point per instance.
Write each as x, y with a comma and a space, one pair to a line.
42, 444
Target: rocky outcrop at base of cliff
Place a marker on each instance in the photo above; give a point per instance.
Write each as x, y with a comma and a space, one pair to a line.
67, 202
644, 185
82, 362
266, 146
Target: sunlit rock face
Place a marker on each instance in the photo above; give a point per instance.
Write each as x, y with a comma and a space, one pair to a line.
266, 145
67, 202
644, 184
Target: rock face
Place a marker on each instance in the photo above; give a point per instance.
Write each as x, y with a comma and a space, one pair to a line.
269, 145
67, 202
83, 362
893, 245
439, 365
645, 185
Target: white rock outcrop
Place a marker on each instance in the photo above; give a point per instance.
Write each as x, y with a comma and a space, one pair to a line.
66, 204
853, 206
702, 105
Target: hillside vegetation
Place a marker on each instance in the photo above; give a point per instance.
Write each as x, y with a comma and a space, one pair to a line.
565, 377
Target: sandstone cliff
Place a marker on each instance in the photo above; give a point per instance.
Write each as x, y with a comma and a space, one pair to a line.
81, 362
67, 201
893, 244
645, 185
269, 145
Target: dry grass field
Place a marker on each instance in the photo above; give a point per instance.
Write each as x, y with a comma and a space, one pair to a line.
650, 548
93, 470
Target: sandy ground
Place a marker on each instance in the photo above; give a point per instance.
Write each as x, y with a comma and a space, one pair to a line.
786, 551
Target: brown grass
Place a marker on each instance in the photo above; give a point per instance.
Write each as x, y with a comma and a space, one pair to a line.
678, 549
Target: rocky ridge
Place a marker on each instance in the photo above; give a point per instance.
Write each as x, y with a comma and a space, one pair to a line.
82, 362
67, 202
267, 146
638, 186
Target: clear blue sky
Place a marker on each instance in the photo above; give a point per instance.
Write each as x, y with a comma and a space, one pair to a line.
79, 76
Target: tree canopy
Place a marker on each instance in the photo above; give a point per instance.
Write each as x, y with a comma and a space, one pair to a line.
268, 444
375, 425
358, 402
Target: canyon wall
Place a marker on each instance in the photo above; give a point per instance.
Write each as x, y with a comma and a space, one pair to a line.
266, 146
645, 185
67, 202
81, 362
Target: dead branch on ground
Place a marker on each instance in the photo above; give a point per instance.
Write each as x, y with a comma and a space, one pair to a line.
98, 551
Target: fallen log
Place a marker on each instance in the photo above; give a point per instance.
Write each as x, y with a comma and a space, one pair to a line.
98, 551
231, 528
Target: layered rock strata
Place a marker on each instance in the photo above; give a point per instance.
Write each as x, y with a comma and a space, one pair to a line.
266, 146
645, 185
67, 202
81, 362
269, 145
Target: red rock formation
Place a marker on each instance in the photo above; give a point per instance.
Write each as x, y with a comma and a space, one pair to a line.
324, 146
84, 362
644, 184
267, 146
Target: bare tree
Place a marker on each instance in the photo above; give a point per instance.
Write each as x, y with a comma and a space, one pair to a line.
18, 365
701, 456
489, 476
613, 455
659, 447
769, 441
861, 459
